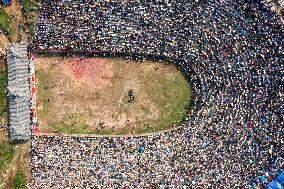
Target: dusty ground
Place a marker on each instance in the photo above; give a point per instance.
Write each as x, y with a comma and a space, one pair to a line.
89, 95
3, 43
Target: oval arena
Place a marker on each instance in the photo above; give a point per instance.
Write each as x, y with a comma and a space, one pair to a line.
232, 52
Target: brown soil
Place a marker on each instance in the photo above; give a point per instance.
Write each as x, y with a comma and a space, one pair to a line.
3, 43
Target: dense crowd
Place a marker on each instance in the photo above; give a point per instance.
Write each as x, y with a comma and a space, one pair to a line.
232, 52
277, 6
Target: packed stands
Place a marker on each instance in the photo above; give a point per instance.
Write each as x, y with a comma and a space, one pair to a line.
234, 139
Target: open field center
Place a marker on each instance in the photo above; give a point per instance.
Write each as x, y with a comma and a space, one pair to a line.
90, 95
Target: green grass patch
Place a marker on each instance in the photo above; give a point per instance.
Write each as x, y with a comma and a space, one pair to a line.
5, 22
20, 180
3, 112
6, 154
31, 10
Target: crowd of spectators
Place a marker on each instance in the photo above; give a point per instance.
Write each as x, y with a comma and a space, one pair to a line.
277, 6
232, 52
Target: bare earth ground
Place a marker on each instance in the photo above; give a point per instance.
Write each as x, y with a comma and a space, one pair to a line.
3, 43
89, 95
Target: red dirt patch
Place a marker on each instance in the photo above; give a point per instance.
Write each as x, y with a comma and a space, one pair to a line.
93, 71
82, 67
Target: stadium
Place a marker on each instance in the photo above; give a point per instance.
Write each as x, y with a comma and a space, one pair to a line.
231, 55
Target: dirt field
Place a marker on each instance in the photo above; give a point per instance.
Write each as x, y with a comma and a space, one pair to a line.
90, 95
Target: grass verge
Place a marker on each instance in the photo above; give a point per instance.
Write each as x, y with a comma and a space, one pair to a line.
5, 22
6, 155
2, 92
20, 180
30, 11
